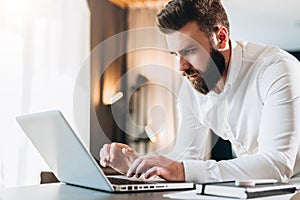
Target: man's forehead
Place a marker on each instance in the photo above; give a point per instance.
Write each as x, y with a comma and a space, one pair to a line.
188, 35
178, 41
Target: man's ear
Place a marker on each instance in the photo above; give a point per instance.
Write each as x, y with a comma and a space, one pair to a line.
222, 38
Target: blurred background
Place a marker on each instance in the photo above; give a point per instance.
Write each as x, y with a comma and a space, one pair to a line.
52, 57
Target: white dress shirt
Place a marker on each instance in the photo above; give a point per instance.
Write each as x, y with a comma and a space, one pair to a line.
258, 112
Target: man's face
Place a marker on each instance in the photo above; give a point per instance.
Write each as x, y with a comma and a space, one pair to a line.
199, 60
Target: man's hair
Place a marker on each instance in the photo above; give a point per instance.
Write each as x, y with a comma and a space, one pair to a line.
208, 14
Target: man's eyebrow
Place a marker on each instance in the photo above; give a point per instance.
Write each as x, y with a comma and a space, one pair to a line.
188, 47
173, 53
182, 50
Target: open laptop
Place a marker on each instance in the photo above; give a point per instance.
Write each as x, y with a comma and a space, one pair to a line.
70, 160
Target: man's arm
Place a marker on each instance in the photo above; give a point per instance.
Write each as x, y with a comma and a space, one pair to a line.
192, 139
279, 130
192, 142
279, 134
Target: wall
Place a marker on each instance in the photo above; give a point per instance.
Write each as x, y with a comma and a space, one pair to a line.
107, 20
265, 21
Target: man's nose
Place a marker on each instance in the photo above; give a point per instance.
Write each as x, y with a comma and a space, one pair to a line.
184, 64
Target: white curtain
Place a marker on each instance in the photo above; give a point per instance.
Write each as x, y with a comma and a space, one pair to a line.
153, 104
43, 45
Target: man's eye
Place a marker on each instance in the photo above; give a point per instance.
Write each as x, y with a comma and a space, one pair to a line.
174, 53
187, 51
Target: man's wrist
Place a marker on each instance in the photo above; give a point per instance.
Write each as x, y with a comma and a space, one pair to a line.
182, 171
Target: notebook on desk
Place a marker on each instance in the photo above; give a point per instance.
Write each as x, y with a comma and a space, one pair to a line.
70, 160
231, 189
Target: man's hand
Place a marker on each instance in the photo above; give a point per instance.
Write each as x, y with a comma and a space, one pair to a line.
118, 156
158, 165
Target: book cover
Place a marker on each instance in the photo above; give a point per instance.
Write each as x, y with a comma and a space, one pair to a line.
229, 189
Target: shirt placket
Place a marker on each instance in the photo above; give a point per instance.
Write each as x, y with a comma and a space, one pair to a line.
227, 132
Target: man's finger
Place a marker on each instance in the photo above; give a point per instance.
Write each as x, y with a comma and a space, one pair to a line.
127, 150
132, 170
152, 172
130, 153
121, 145
114, 148
104, 152
144, 166
103, 163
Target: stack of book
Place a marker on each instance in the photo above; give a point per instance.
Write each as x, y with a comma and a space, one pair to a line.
249, 190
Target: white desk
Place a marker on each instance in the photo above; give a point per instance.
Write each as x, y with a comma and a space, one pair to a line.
59, 191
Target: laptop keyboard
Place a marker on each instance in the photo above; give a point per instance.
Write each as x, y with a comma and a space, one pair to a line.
120, 181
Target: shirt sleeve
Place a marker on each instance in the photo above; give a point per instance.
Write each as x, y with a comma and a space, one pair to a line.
279, 130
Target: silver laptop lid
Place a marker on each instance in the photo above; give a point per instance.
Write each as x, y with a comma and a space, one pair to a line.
62, 150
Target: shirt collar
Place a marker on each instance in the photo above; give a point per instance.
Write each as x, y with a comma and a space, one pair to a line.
235, 63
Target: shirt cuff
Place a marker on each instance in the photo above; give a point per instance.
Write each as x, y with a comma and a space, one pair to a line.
195, 171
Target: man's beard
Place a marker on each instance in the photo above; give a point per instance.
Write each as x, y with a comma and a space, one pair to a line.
207, 80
